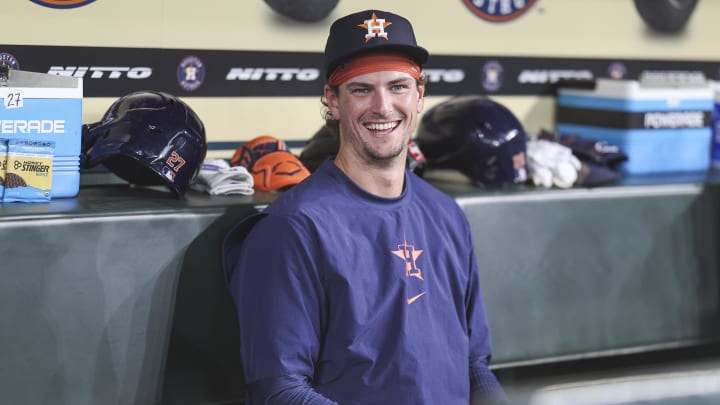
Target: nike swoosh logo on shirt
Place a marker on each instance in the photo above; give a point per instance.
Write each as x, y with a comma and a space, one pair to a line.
415, 298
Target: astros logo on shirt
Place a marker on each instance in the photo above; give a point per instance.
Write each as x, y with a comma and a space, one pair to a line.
409, 254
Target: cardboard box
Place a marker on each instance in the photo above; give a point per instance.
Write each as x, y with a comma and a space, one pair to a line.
42, 107
661, 127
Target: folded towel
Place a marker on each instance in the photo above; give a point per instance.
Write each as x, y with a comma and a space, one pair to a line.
217, 177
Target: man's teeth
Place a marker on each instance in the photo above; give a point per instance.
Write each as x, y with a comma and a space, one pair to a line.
381, 127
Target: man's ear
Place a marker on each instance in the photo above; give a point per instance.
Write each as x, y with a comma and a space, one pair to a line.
331, 98
421, 98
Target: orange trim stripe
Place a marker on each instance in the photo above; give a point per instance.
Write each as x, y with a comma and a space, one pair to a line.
375, 62
63, 2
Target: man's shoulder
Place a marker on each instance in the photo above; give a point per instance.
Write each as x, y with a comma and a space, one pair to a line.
429, 191
307, 194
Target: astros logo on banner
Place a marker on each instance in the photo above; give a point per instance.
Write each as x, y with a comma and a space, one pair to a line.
9, 60
499, 11
62, 3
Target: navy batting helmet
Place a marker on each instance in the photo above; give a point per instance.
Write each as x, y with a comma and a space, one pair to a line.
147, 138
476, 136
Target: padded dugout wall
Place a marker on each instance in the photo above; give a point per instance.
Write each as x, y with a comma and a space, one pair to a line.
117, 297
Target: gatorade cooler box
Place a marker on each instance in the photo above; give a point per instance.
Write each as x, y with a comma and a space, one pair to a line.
661, 127
42, 107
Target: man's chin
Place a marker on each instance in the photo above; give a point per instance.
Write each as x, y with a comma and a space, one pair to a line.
387, 159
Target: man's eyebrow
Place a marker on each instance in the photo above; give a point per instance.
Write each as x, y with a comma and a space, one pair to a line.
391, 82
401, 80
358, 84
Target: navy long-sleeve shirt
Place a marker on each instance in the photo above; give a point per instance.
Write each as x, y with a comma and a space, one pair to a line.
346, 297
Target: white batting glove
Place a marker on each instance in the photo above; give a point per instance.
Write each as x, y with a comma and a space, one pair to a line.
551, 164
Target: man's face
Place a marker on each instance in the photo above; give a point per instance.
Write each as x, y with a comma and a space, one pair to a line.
378, 113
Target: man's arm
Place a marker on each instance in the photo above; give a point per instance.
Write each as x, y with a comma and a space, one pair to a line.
278, 297
485, 388
483, 383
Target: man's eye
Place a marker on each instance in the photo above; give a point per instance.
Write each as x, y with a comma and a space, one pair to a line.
360, 90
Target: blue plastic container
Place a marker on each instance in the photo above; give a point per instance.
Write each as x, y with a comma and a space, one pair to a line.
42, 107
662, 128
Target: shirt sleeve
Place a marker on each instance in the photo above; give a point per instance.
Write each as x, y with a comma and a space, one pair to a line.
482, 380
285, 390
279, 299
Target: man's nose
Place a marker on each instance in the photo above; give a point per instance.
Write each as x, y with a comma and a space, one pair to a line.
383, 102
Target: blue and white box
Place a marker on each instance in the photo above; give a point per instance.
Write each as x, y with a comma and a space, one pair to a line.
662, 127
43, 107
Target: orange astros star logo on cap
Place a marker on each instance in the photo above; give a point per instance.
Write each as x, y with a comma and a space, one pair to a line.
375, 28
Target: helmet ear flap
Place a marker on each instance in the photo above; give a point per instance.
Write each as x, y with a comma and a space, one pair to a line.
88, 138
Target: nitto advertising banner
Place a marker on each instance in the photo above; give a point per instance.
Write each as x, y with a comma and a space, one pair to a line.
252, 68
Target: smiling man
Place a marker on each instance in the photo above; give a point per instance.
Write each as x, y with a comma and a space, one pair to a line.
360, 284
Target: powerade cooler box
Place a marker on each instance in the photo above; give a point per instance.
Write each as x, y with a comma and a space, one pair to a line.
42, 107
660, 126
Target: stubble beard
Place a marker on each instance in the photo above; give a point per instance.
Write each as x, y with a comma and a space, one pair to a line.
382, 159
374, 156
377, 158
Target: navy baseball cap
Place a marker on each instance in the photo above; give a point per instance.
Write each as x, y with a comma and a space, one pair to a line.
367, 31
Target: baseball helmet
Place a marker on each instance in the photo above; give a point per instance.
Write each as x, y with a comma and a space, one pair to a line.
147, 138
477, 136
